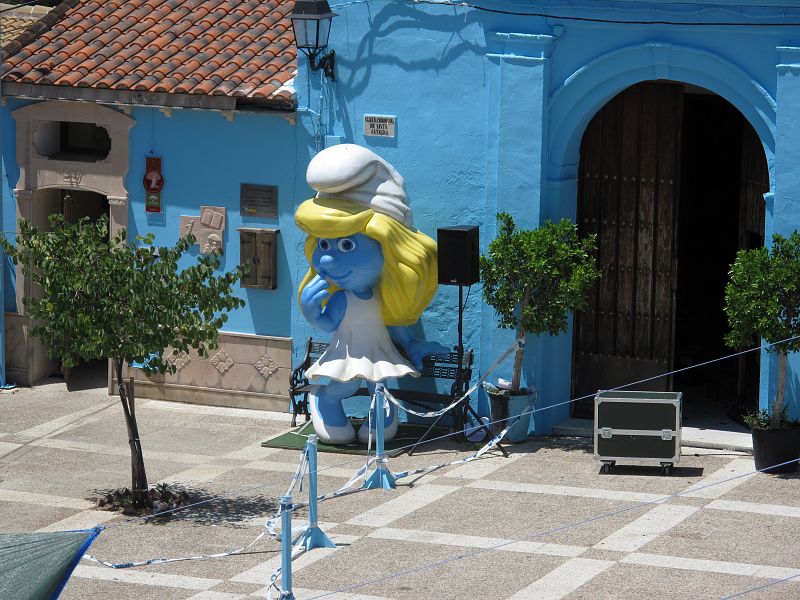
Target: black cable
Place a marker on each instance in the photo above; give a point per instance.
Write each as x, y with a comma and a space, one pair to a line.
613, 21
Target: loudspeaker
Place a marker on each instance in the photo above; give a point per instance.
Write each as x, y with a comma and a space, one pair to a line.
458, 255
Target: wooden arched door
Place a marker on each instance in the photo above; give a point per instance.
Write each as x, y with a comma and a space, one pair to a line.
627, 195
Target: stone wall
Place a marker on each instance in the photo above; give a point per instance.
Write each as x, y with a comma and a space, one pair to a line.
245, 371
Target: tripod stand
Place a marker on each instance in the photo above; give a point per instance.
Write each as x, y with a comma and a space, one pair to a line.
459, 388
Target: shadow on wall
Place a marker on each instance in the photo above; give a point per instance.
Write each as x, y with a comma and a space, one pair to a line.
396, 18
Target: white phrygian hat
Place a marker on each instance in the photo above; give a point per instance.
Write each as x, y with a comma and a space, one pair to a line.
355, 173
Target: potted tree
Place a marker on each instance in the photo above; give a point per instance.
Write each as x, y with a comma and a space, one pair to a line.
762, 300
533, 279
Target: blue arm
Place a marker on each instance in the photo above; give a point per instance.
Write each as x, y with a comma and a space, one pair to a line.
415, 348
312, 297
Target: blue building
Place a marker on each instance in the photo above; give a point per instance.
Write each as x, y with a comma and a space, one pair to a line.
670, 130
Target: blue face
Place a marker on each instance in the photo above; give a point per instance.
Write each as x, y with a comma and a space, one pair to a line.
353, 263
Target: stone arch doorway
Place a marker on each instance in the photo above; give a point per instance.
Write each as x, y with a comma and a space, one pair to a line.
72, 158
671, 179
28, 368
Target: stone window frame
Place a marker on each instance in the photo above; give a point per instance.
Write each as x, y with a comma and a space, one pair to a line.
106, 177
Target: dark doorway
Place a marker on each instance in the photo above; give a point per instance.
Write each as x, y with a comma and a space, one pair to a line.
672, 179
81, 204
75, 205
723, 181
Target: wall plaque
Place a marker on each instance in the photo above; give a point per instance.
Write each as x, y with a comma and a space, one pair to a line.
380, 125
258, 200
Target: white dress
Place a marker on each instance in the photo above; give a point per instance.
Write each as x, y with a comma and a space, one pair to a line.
361, 346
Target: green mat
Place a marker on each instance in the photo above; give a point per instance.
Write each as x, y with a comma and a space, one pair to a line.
407, 435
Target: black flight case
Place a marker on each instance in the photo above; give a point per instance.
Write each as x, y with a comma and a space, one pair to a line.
637, 427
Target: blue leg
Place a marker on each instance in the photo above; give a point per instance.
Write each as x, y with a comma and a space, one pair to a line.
327, 413
286, 548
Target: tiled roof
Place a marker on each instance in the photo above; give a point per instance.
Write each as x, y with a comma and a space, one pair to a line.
15, 21
237, 48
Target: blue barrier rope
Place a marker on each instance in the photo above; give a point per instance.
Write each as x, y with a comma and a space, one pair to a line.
538, 534
491, 444
438, 438
762, 586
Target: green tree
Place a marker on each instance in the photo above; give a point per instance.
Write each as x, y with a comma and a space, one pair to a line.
533, 278
762, 300
104, 298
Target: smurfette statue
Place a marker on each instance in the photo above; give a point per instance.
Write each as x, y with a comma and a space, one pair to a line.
371, 275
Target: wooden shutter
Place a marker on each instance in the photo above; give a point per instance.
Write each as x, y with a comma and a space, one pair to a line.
265, 253
247, 250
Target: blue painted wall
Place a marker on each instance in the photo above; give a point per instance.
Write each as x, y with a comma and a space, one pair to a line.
8, 132
205, 158
491, 109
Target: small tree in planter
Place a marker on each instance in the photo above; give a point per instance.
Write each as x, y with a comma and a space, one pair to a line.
762, 300
107, 299
534, 278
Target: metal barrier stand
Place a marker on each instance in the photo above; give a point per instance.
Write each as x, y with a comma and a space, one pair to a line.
381, 477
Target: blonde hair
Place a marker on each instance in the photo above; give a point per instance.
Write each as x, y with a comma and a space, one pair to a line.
409, 277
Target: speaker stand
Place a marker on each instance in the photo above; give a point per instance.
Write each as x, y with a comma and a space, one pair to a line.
459, 388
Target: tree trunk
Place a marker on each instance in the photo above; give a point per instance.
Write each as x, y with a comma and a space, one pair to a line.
138, 474
777, 406
517, 373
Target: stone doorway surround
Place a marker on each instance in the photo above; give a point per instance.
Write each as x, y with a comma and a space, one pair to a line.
37, 172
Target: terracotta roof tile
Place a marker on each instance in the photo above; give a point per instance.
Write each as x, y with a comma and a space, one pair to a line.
18, 20
240, 48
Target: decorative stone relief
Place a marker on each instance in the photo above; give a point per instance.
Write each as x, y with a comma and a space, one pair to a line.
266, 366
222, 362
179, 361
72, 176
208, 228
187, 225
245, 371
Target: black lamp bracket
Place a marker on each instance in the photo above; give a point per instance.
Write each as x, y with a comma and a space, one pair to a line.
327, 63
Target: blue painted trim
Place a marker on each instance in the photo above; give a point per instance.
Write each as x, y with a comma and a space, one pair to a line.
589, 88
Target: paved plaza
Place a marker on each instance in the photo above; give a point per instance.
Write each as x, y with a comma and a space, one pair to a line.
545, 523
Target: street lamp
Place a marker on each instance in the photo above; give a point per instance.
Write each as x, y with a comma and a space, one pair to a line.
311, 21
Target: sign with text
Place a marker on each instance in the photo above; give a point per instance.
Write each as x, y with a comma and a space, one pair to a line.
380, 125
258, 200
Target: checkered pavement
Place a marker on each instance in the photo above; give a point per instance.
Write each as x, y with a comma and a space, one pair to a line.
544, 523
